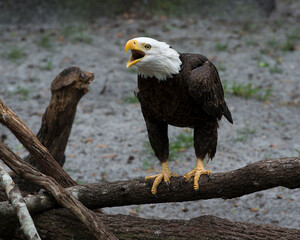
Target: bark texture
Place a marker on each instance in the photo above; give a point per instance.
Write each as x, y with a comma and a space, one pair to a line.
34, 147
18, 203
67, 89
254, 177
61, 195
58, 224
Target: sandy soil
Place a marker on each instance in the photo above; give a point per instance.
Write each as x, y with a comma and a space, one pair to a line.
108, 139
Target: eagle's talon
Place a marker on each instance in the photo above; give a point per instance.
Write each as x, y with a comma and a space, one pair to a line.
168, 185
182, 180
164, 175
197, 172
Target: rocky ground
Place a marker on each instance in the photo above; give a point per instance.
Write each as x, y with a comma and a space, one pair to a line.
258, 61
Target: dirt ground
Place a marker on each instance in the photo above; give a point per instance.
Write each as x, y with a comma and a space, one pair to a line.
109, 139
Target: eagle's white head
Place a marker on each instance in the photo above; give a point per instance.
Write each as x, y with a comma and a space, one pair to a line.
153, 58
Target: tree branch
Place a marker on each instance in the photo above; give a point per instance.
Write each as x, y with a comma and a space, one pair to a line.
58, 224
251, 178
61, 195
17, 201
32, 144
66, 91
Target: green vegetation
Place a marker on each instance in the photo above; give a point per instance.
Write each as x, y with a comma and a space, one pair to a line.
47, 66
243, 134
76, 33
262, 64
148, 164
20, 146
221, 47
178, 144
288, 44
14, 54
45, 41
246, 90
132, 70
169, 7
24, 92
220, 67
130, 99
249, 27
275, 69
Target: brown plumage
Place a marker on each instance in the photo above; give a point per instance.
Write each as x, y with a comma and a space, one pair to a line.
182, 90
192, 98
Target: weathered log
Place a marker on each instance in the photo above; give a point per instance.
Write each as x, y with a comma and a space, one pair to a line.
251, 178
58, 224
34, 147
67, 89
61, 195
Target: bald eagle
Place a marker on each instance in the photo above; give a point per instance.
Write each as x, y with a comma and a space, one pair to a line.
183, 90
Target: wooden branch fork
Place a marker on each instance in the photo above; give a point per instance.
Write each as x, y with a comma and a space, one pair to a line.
46, 161
43, 167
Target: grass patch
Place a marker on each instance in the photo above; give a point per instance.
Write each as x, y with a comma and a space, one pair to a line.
246, 90
275, 69
47, 66
45, 41
130, 99
221, 67
148, 164
132, 70
262, 64
221, 47
14, 54
178, 144
24, 92
250, 27
77, 33
242, 135
288, 44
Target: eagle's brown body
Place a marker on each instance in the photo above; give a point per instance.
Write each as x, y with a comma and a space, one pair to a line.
192, 98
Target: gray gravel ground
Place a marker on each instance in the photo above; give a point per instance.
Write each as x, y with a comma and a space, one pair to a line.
108, 139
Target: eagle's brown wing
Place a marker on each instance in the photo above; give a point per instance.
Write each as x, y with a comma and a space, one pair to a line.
206, 89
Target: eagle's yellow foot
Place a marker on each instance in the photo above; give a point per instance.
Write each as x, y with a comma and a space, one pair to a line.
165, 175
196, 172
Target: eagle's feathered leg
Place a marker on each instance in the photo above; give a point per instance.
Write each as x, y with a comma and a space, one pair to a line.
158, 136
205, 143
197, 172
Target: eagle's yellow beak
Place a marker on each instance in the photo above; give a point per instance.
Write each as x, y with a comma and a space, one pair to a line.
137, 52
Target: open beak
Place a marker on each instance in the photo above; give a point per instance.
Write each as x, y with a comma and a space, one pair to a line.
136, 52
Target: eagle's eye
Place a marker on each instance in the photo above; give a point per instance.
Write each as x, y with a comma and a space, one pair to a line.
148, 46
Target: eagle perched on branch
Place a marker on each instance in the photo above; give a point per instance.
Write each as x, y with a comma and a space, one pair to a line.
183, 90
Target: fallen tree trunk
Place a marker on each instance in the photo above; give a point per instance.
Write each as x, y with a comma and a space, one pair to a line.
58, 224
254, 177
